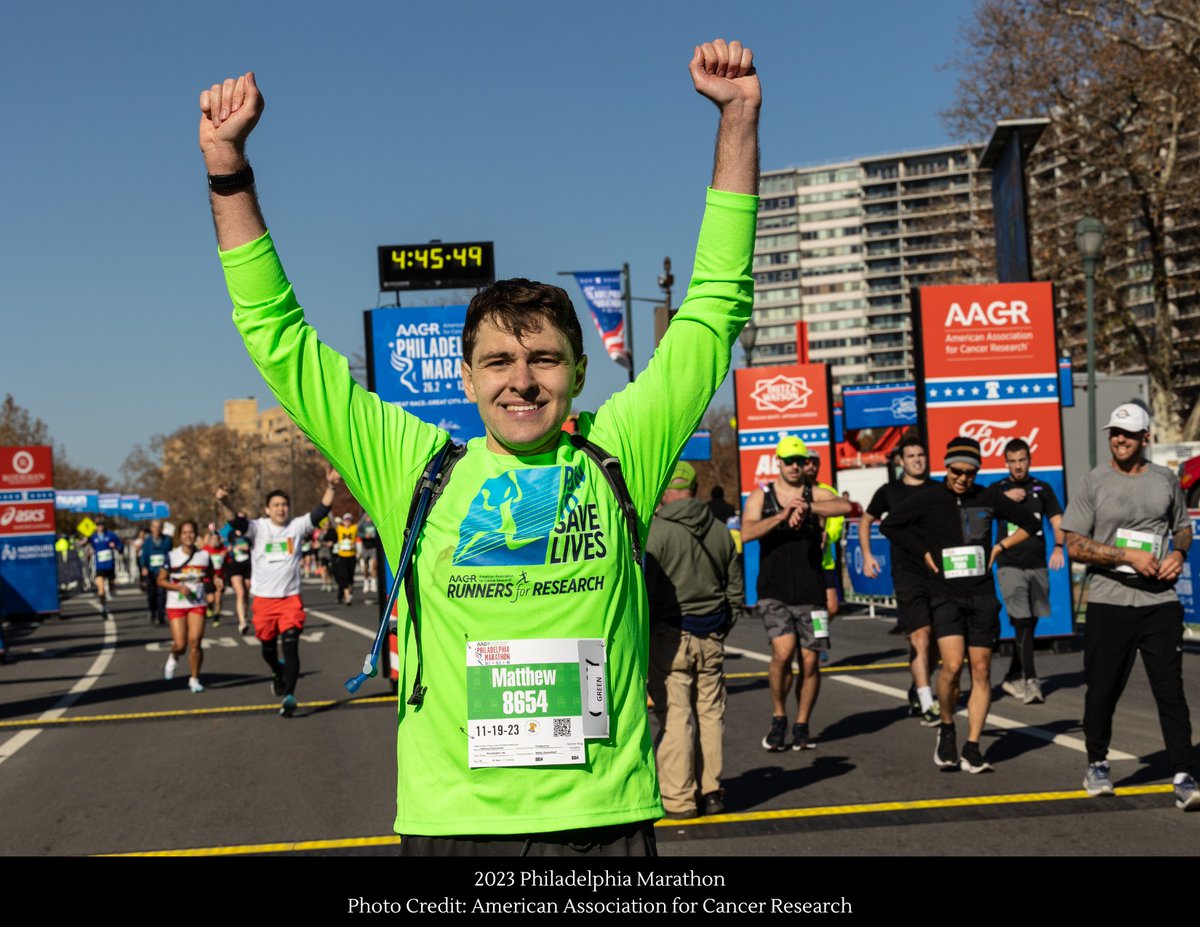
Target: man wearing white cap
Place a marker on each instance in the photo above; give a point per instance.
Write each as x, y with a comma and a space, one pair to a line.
1118, 523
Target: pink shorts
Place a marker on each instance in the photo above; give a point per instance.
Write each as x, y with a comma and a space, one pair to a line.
174, 614
274, 616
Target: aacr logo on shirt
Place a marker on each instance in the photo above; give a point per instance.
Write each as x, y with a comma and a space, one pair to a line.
530, 517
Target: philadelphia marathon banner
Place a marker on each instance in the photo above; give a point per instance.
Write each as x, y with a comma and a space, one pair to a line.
28, 567
602, 291
773, 402
987, 367
415, 356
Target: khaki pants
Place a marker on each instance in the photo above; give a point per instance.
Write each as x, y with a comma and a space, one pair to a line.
687, 683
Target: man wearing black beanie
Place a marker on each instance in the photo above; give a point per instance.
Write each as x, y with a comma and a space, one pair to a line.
950, 530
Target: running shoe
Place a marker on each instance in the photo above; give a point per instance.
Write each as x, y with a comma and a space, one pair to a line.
774, 741
946, 754
914, 703
217, 620
714, 803
194, 685
1016, 688
1033, 692
277, 683
169, 669
288, 706
245, 629
1187, 796
931, 716
1097, 781
800, 738
972, 759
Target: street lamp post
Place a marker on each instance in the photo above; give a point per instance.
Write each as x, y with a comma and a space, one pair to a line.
1089, 237
747, 338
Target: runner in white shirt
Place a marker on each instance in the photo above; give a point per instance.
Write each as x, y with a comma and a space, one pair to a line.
188, 569
278, 611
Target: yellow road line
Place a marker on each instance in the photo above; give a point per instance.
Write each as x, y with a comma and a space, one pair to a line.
827, 669
748, 816
193, 712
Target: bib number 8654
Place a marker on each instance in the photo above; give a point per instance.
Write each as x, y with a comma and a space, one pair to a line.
525, 702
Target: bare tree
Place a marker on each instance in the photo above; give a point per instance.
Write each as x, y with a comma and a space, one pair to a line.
1118, 80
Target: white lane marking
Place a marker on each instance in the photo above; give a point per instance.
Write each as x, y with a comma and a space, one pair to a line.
85, 682
343, 623
993, 720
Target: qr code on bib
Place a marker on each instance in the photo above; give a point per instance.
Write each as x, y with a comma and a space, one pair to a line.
562, 727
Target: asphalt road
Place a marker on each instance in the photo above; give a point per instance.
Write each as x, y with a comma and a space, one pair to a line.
100, 755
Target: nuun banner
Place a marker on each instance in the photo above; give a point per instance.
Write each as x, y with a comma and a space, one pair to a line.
602, 291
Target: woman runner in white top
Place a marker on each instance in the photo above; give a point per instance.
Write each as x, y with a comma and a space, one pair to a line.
188, 569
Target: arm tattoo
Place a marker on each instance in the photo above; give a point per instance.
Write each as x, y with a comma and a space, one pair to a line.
1182, 539
1086, 550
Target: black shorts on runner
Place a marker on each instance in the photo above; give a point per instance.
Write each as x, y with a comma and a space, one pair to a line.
830, 578
912, 600
233, 568
976, 618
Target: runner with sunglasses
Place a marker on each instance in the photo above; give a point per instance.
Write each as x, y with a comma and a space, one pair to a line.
949, 528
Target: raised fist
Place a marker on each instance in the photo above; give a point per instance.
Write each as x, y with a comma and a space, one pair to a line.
725, 74
228, 114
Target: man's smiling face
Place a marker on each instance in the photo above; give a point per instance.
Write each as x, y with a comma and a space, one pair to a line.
523, 387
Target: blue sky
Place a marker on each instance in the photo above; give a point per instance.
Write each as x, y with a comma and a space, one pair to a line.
567, 133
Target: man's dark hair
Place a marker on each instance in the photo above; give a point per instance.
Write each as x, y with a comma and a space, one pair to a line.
1015, 445
912, 440
520, 306
277, 492
717, 492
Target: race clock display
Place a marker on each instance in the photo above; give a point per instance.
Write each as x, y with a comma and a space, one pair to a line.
436, 266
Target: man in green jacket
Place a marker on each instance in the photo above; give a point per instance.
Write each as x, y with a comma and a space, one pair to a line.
526, 655
694, 582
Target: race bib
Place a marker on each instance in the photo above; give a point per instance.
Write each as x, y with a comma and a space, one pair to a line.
217, 560
820, 622
958, 562
277, 551
157, 560
1138, 540
534, 702
345, 545
104, 555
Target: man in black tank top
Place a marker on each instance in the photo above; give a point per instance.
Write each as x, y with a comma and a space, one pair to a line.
787, 517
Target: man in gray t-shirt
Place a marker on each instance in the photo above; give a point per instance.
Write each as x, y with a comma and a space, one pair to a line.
1130, 524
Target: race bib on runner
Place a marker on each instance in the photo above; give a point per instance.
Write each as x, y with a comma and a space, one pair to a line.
1137, 540
277, 551
345, 545
104, 556
958, 562
157, 560
820, 622
534, 702
217, 560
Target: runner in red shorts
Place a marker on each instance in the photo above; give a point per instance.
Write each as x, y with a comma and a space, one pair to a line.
276, 551
188, 569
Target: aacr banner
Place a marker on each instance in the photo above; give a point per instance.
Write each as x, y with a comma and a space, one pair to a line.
987, 368
28, 568
773, 402
415, 356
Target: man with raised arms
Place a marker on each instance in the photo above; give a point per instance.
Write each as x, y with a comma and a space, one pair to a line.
787, 517
910, 575
482, 767
1119, 523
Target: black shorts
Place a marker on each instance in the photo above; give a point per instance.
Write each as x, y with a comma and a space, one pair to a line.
976, 618
233, 568
912, 600
830, 578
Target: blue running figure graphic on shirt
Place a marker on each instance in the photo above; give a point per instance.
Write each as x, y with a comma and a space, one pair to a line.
510, 520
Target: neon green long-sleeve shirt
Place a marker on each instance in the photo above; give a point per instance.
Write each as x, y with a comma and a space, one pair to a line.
518, 547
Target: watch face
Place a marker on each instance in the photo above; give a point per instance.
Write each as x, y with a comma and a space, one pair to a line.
436, 266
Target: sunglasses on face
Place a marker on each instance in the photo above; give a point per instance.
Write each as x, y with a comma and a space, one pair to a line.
793, 461
962, 473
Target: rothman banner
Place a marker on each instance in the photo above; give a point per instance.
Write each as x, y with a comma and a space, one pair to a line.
987, 367
602, 291
28, 568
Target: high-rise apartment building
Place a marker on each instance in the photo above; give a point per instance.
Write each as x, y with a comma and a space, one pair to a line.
840, 247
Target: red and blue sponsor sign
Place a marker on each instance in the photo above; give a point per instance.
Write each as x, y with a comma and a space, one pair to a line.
988, 368
602, 291
28, 568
